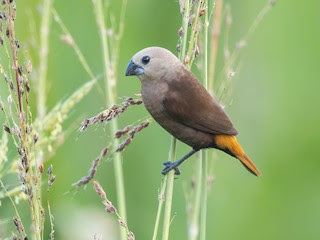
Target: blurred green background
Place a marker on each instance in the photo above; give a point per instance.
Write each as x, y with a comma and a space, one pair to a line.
275, 109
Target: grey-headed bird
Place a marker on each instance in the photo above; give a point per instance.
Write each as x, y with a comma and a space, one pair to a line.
183, 107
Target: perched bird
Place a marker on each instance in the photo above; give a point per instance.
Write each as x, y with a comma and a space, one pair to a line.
183, 107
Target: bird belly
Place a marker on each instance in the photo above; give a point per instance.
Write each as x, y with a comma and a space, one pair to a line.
189, 136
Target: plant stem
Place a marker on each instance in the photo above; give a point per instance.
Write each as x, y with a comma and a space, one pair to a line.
74, 45
204, 156
185, 21
201, 157
77, 50
169, 192
214, 42
169, 178
41, 91
194, 35
160, 205
36, 213
194, 226
43, 57
110, 99
24, 140
205, 49
50, 214
116, 49
15, 208
109, 80
203, 200
114, 128
14, 56
120, 185
230, 61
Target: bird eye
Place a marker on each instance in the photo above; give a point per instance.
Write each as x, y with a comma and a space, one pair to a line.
145, 60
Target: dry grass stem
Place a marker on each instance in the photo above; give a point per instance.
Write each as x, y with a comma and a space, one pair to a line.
31, 138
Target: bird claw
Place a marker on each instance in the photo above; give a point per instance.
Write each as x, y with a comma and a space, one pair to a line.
169, 166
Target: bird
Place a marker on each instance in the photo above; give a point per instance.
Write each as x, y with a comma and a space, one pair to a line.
183, 107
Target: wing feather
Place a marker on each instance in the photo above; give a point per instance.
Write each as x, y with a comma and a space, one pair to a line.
189, 103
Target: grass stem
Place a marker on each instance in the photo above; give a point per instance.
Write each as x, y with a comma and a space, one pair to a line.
43, 57
214, 42
169, 178
203, 199
15, 208
185, 21
194, 226
110, 84
160, 205
204, 155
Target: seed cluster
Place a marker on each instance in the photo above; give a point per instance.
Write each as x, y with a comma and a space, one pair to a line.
18, 121
20, 229
120, 133
109, 114
51, 177
92, 171
131, 134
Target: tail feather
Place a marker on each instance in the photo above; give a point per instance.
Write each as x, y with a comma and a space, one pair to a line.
230, 145
245, 160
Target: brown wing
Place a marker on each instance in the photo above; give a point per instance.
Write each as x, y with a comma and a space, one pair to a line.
189, 103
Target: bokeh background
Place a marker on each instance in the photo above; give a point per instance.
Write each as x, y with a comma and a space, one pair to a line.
275, 109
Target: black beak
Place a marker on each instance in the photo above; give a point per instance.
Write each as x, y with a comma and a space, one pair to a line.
134, 69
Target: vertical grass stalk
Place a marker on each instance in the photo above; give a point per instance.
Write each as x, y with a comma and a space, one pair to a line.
203, 200
41, 86
214, 43
169, 178
160, 205
194, 226
32, 179
24, 236
110, 99
43, 57
204, 156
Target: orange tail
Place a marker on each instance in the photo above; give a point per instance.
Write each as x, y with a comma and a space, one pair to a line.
230, 145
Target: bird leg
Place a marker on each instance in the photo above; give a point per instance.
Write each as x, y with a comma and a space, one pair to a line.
174, 165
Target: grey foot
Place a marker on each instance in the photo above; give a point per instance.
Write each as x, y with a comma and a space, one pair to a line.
169, 166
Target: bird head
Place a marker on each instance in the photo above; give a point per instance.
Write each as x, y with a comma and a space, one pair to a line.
151, 63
